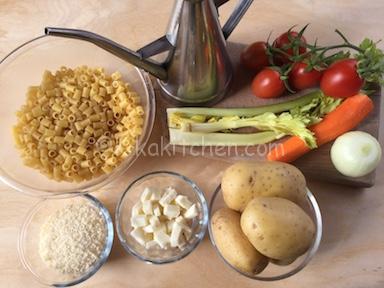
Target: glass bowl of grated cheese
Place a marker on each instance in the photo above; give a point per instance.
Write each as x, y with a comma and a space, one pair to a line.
161, 217
64, 242
23, 74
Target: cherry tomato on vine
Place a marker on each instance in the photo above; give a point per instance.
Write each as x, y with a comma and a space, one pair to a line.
341, 79
254, 57
267, 84
300, 79
283, 41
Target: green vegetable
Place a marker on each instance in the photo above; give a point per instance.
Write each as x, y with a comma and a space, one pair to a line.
188, 126
178, 137
284, 123
247, 112
370, 65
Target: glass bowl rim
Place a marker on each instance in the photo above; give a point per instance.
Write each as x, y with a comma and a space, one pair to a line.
95, 267
107, 178
308, 255
184, 252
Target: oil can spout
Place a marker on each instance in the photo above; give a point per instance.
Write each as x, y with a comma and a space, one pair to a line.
135, 58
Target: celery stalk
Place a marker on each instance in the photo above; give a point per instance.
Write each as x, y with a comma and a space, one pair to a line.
247, 112
178, 137
284, 123
188, 126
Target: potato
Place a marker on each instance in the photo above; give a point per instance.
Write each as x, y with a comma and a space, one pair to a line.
233, 244
243, 181
277, 227
284, 262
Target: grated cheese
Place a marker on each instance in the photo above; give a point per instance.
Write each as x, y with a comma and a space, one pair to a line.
72, 239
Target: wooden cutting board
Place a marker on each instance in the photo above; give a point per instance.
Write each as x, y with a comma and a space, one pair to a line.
316, 164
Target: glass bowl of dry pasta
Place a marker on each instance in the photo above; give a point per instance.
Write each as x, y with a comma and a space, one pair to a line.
74, 117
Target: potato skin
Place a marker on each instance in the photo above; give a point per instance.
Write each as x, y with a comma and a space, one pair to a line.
277, 227
244, 181
233, 244
284, 262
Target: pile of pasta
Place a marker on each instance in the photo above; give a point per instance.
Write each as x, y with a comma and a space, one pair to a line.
78, 124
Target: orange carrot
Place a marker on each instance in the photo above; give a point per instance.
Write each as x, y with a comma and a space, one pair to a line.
344, 118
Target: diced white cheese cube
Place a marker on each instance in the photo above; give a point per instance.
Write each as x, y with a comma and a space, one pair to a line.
184, 224
162, 227
158, 221
180, 219
156, 195
137, 209
147, 207
171, 211
148, 229
170, 226
138, 235
151, 244
176, 234
157, 211
161, 238
182, 241
187, 233
192, 212
146, 195
139, 221
169, 195
186, 228
183, 201
154, 222
170, 189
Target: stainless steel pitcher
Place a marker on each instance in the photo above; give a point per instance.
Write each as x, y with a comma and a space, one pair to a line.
197, 69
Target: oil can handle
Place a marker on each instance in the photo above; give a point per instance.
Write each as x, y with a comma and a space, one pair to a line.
237, 13
218, 3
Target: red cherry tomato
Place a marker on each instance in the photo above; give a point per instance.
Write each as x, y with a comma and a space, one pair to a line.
341, 79
283, 41
254, 57
300, 79
267, 84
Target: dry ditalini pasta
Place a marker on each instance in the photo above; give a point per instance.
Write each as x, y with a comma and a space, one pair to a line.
78, 123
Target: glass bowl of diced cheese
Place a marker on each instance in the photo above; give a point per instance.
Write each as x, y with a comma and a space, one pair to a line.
161, 217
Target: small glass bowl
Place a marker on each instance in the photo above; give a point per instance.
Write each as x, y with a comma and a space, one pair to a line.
274, 272
28, 244
161, 180
24, 67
